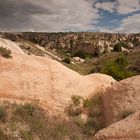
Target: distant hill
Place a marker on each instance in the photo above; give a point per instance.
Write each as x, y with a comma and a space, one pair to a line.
84, 52
90, 43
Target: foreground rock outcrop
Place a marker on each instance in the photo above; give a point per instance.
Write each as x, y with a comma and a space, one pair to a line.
123, 96
127, 129
120, 102
27, 77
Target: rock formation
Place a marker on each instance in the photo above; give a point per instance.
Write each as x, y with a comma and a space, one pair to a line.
26, 77
90, 43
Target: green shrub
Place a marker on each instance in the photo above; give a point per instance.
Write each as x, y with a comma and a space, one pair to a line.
29, 109
118, 46
95, 112
80, 54
4, 52
97, 100
88, 103
25, 111
93, 125
74, 110
26, 135
28, 121
28, 48
79, 121
122, 61
90, 126
67, 60
76, 100
92, 107
117, 68
2, 114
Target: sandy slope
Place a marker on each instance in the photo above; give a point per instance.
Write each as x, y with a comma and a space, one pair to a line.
27, 77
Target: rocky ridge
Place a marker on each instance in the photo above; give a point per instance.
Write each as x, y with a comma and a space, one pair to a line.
89, 43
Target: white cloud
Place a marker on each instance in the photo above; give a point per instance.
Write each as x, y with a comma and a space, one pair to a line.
127, 6
120, 6
109, 6
51, 15
67, 15
131, 24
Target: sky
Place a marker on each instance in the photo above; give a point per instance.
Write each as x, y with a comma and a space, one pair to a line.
114, 16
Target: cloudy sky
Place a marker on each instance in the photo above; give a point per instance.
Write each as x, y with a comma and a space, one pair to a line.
70, 15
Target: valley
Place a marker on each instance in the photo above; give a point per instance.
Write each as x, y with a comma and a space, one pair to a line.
69, 86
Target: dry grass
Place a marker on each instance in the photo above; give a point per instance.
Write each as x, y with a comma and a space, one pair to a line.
92, 109
28, 122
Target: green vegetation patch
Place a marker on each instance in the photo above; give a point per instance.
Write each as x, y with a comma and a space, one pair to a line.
42, 125
28, 121
4, 52
91, 109
118, 46
3, 113
117, 68
67, 60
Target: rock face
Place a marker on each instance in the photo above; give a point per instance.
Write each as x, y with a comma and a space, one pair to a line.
123, 96
90, 43
27, 77
100, 48
78, 60
130, 45
87, 48
120, 103
127, 129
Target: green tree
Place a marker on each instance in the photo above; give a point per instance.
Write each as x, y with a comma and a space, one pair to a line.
118, 46
117, 68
